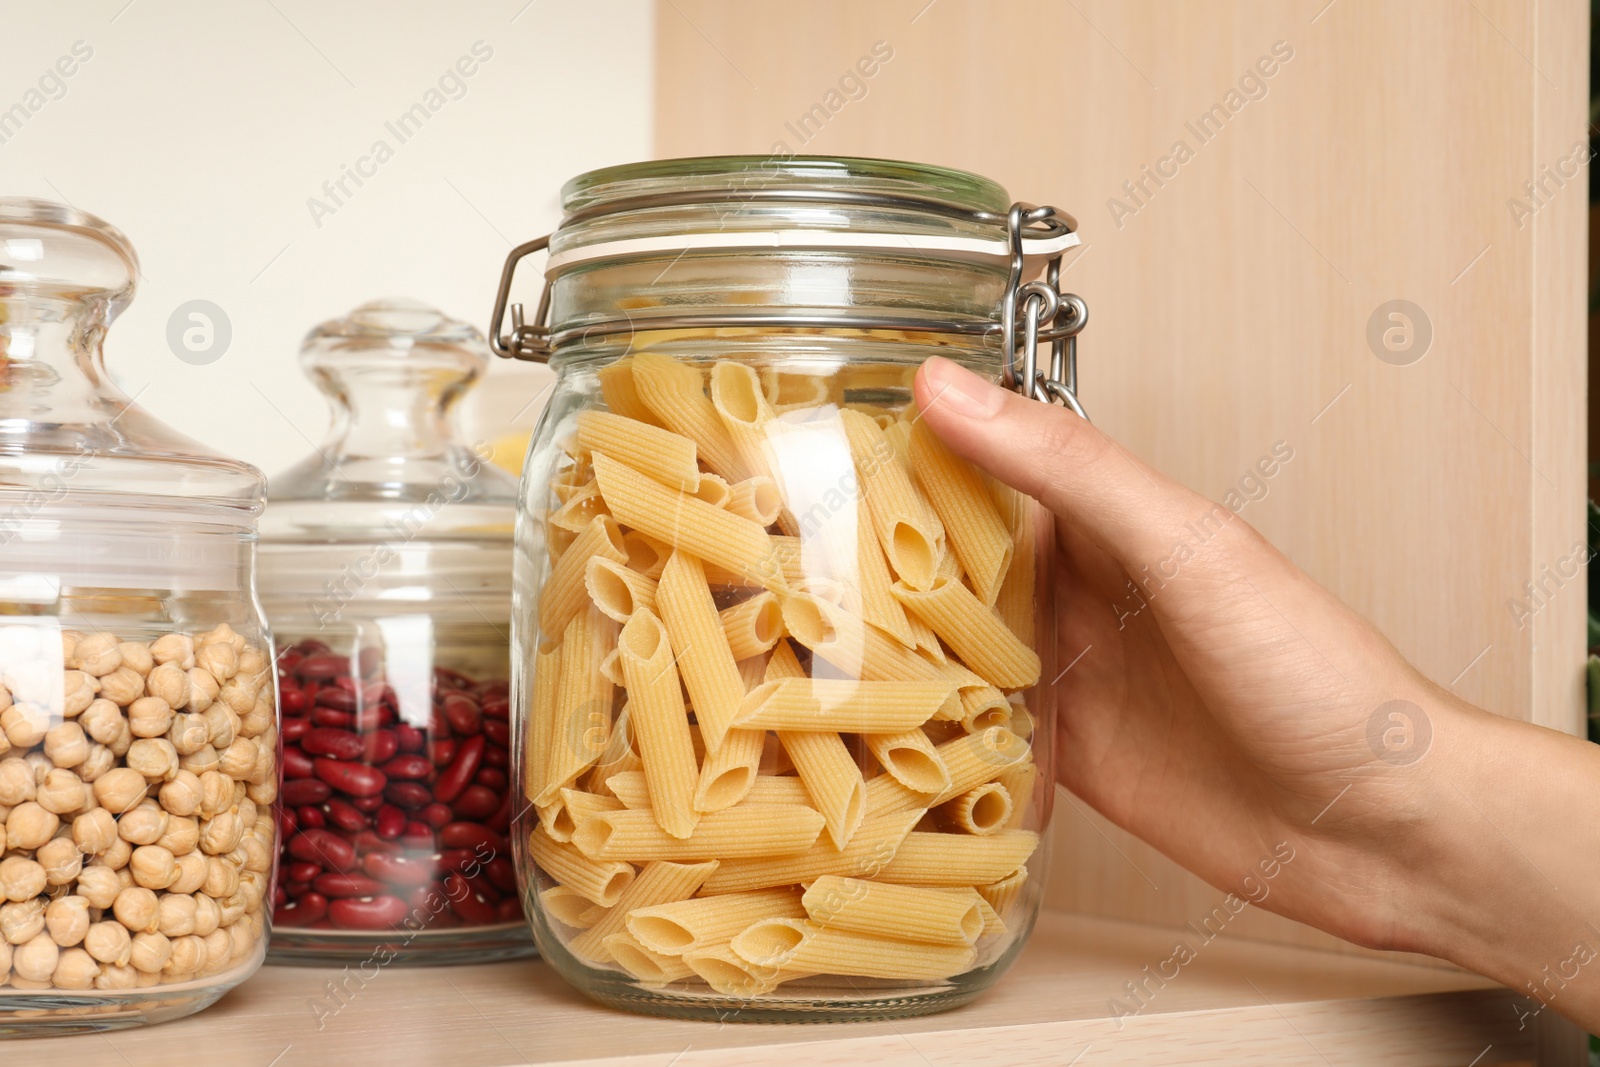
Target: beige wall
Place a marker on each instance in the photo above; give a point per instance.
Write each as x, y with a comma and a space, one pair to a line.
1230, 305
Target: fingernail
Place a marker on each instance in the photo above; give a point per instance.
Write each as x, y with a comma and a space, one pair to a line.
963, 392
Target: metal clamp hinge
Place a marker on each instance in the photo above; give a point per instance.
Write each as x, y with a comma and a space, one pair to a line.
1040, 311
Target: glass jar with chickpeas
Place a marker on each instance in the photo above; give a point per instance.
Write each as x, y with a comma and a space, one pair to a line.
782, 742
138, 717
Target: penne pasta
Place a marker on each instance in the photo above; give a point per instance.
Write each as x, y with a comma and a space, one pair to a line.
973, 759
541, 720
616, 589
580, 508
957, 859
675, 393
983, 809
757, 499
656, 883
886, 795
737, 398
649, 967
841, 705
752, 626
708, 532
877, 604
1018, 781
982, 707
601, 882
713, 490
909, 531
567, 906
667, 457
582, 726
801, 944
630, 788
727, 774
741, 832
724, 971
675, 928
564, 594
660, 724
870, 850
832, 778
973, 631
574, 807
645, 554
1014, 602
1003, 893
910, 759
710, 670
910, 913
850, 644
621, 395
777, 789
978, 536
619, 754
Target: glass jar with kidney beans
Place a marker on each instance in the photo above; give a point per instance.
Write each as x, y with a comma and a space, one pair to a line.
385, 565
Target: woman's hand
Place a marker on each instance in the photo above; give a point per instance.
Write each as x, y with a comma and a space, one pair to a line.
1215, 701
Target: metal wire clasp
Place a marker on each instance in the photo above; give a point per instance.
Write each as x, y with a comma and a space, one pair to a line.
1027, 309
526, 341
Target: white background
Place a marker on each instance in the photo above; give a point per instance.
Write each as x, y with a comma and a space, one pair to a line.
201, 130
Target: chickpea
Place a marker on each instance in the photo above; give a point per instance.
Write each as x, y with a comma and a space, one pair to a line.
77, 692
149, 717
136, 654
117, 977
183, 834
99, 760
76, 969
188, 955
5, 698
122, 686
119, 789
36, 958
192, 871
67, 920
149, 951
221, 634
144, 824
222, 725
252, 662
116, 857
207, 915
175, 914
30, 825
60, 859
258, 856
66, 744
21, 921
238, 793
173, 648
238, 697
218, 660
40, 765
253, 888
222, 878
248, 812
120, 744
99, 886
203, 689
5, 959
216, 793
189, 734
25, 724
219, 949
239, 759
182, 795
62, 792
259, 720
203, 759
135, 908
244, 937
169, 682
102, 720
96, 654
16, 781
153, 867
265, 791
153, 757
108, 942
221, 832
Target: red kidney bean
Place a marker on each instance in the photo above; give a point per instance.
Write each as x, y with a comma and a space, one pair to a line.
462, 713
357, 779
301, 871
294, 728
411, 739
345, 817
368, 841
466, 902
482, 887
418, 838
501, 874
446, 678
389, 822
476, 802
398, 870
322, 667
341, 720
408, 795
435, 815
409, 767
323, 847
287, 824
508, 910
296, 764
339, 744
378, 913
456, 859
500, 821
470, 835
380, 746
338, 698
279, 898
498, 733
298, 791
496, 757
367, 804
311, 817
304, 910
496, 708
456, 776
491, 777
441, 752
348, 885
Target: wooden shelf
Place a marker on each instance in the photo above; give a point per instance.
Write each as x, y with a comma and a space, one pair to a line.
1237, 1002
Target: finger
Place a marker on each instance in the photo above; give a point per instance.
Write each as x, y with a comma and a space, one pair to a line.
1061, 460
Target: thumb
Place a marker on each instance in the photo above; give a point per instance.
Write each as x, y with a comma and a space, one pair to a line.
1061, 460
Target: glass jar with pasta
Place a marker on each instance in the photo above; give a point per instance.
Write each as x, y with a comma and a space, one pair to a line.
782, 744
